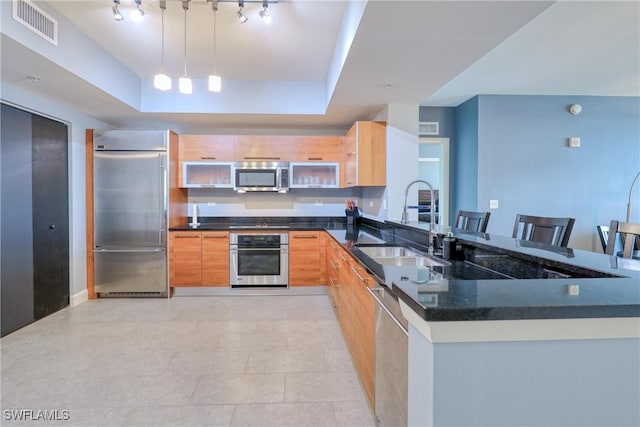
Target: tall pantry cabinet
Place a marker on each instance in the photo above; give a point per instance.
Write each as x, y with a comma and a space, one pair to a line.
34, 229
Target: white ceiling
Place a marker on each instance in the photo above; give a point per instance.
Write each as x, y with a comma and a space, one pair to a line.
431, 53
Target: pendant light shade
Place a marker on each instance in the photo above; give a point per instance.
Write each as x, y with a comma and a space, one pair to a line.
184, 83
215, 82
161, 81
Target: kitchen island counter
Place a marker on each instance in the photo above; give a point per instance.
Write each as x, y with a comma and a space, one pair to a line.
516, 351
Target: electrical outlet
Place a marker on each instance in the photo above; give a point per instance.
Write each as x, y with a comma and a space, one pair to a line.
211, 203
319, 203
574, 142
370, 203
493, 204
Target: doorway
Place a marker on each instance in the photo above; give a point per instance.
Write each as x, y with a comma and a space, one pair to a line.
433, 166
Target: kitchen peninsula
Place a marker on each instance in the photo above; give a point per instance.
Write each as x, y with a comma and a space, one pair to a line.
506, 333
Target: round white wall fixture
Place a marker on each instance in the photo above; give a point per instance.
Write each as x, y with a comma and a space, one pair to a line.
575, 109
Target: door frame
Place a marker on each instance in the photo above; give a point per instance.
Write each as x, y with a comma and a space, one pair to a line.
444, 176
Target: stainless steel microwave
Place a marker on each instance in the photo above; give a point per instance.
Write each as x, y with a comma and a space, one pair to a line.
261, 176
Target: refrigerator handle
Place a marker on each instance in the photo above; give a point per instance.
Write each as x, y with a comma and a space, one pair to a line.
163, 199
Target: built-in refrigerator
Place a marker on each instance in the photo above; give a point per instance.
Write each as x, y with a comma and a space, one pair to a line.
130, 188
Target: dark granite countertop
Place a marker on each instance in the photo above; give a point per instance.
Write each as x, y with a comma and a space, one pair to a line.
470, 289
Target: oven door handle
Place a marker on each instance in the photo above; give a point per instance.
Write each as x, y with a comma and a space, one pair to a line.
257, 249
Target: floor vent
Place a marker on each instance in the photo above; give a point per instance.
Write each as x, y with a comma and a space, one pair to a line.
35, 19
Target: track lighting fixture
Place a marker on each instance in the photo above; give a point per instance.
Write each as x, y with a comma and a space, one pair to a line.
266, 18
215, 82
137, 13
184, 83
116, 11
162, 81
243, 18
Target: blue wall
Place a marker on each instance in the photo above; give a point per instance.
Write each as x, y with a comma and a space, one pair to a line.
514, 149
464, 160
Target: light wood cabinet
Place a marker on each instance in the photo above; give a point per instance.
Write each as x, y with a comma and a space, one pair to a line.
365, 155
317, 148
199, 258
185, 259
306, 249
206, 147
262, 148
355, 310
215, 258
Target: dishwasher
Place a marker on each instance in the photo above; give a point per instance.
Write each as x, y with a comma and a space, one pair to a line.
391, 366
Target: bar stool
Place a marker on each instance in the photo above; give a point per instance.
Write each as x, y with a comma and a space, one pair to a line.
473, 221
552, 231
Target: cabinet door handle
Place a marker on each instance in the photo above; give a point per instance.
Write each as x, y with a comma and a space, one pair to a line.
349, 154
261, 158
362, 279
305, 237
343, 258
215, 237
314, 158
333, 265
207, 158
186, 237
333, 283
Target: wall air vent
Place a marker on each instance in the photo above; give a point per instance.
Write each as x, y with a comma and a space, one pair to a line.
35, 19
428, 128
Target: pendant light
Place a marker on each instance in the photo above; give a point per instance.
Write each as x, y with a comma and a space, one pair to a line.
184, 83
162, 81
215, 82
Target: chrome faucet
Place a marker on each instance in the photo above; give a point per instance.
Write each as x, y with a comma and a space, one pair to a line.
405, 215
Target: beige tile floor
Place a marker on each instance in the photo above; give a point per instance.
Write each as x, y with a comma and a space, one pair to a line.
186, 361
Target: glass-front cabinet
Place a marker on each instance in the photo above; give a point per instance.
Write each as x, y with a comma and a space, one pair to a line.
314, 175
207, 175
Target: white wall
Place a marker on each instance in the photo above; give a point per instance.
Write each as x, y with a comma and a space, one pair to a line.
402, 163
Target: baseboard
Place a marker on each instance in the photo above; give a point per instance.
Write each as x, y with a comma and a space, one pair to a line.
220, 291
78, 298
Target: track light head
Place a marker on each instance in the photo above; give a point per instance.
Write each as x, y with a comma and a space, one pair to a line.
243, 18
266, 17
137, 13
116, 11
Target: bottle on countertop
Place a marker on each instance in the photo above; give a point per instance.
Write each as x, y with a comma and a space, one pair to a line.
449, 246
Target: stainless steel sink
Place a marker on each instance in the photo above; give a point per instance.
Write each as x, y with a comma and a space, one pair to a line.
408, 261
386, 251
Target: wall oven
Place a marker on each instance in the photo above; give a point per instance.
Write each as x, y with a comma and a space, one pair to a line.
259, 260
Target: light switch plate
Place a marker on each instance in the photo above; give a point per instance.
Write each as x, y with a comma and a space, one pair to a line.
574, 142
493, 204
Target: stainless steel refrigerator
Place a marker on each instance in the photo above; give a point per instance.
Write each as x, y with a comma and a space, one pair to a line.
130, 213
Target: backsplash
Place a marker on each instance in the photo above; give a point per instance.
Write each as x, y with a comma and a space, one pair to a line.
297, 202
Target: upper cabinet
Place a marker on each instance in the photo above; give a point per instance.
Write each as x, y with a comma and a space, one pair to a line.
218, 148
365, 155
250, 148
314, 175
317, 148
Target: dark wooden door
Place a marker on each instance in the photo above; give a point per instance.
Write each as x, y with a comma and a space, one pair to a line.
50, 216
16, 227
34, 219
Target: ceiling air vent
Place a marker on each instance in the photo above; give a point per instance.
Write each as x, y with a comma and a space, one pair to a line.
35, 19
428, 128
